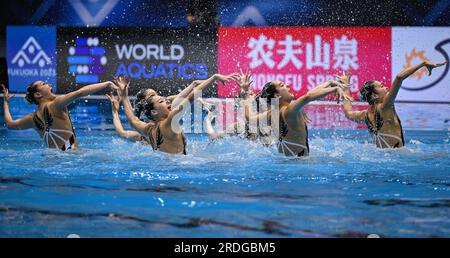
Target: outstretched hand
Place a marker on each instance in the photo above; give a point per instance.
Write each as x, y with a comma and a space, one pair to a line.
245, 80
208, 106
224, 78
344, 79
342, 95
122, 85
430, 66
6, 95
115, 99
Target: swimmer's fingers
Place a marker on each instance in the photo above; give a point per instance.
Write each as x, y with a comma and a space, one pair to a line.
9, 97
122, 87
437, 65
204, 103
343, 96
4, 90
344, 86
109, 97
6, 95
208, 106
347, 97
235, 77
208, 109
333, 83
248, 76
118, 94
113, 86
121, 82
430, 66
344, 78
114, 101
338, 79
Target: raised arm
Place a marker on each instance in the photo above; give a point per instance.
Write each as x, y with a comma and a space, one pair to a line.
212, 134
130, 135
389, 99
244, 83
355, 116
25, 122
64, 100
318, 92
176, 99
137, 124
198, 89
174, 116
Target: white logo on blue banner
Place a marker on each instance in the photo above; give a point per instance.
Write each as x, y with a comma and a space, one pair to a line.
412, 45
31, 55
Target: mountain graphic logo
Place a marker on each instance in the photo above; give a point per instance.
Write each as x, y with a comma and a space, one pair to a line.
31, 53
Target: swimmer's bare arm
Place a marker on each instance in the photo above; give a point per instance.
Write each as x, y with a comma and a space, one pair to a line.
185, 102
197, 90
212, 134
25, 122
389, 99
137, 124
320, 91
244, 83
355, 116
130, 135
64, 100
171, 98
247, 98
176, 99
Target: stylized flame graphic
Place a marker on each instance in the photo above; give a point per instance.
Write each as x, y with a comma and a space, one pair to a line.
409, 58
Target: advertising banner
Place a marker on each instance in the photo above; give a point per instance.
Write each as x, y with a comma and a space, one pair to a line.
166, 60
304, 57
31, 55
411, 46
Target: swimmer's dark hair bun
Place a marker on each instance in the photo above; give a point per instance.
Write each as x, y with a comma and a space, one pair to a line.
28, 99
366, 91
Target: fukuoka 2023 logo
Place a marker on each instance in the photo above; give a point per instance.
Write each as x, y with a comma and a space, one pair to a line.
31, 60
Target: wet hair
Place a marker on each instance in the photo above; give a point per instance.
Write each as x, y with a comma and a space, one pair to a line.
268, 92
139, 104
366, 92
148, 106
31, 89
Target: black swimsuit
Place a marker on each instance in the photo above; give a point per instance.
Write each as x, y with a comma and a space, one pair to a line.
159, 138
51, 133
377, 136
284, 145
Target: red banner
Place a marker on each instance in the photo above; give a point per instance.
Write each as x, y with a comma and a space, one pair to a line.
304, 57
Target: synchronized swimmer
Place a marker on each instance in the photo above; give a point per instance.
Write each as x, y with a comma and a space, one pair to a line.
154, 117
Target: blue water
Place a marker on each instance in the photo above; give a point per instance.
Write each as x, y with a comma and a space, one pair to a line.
230, 188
